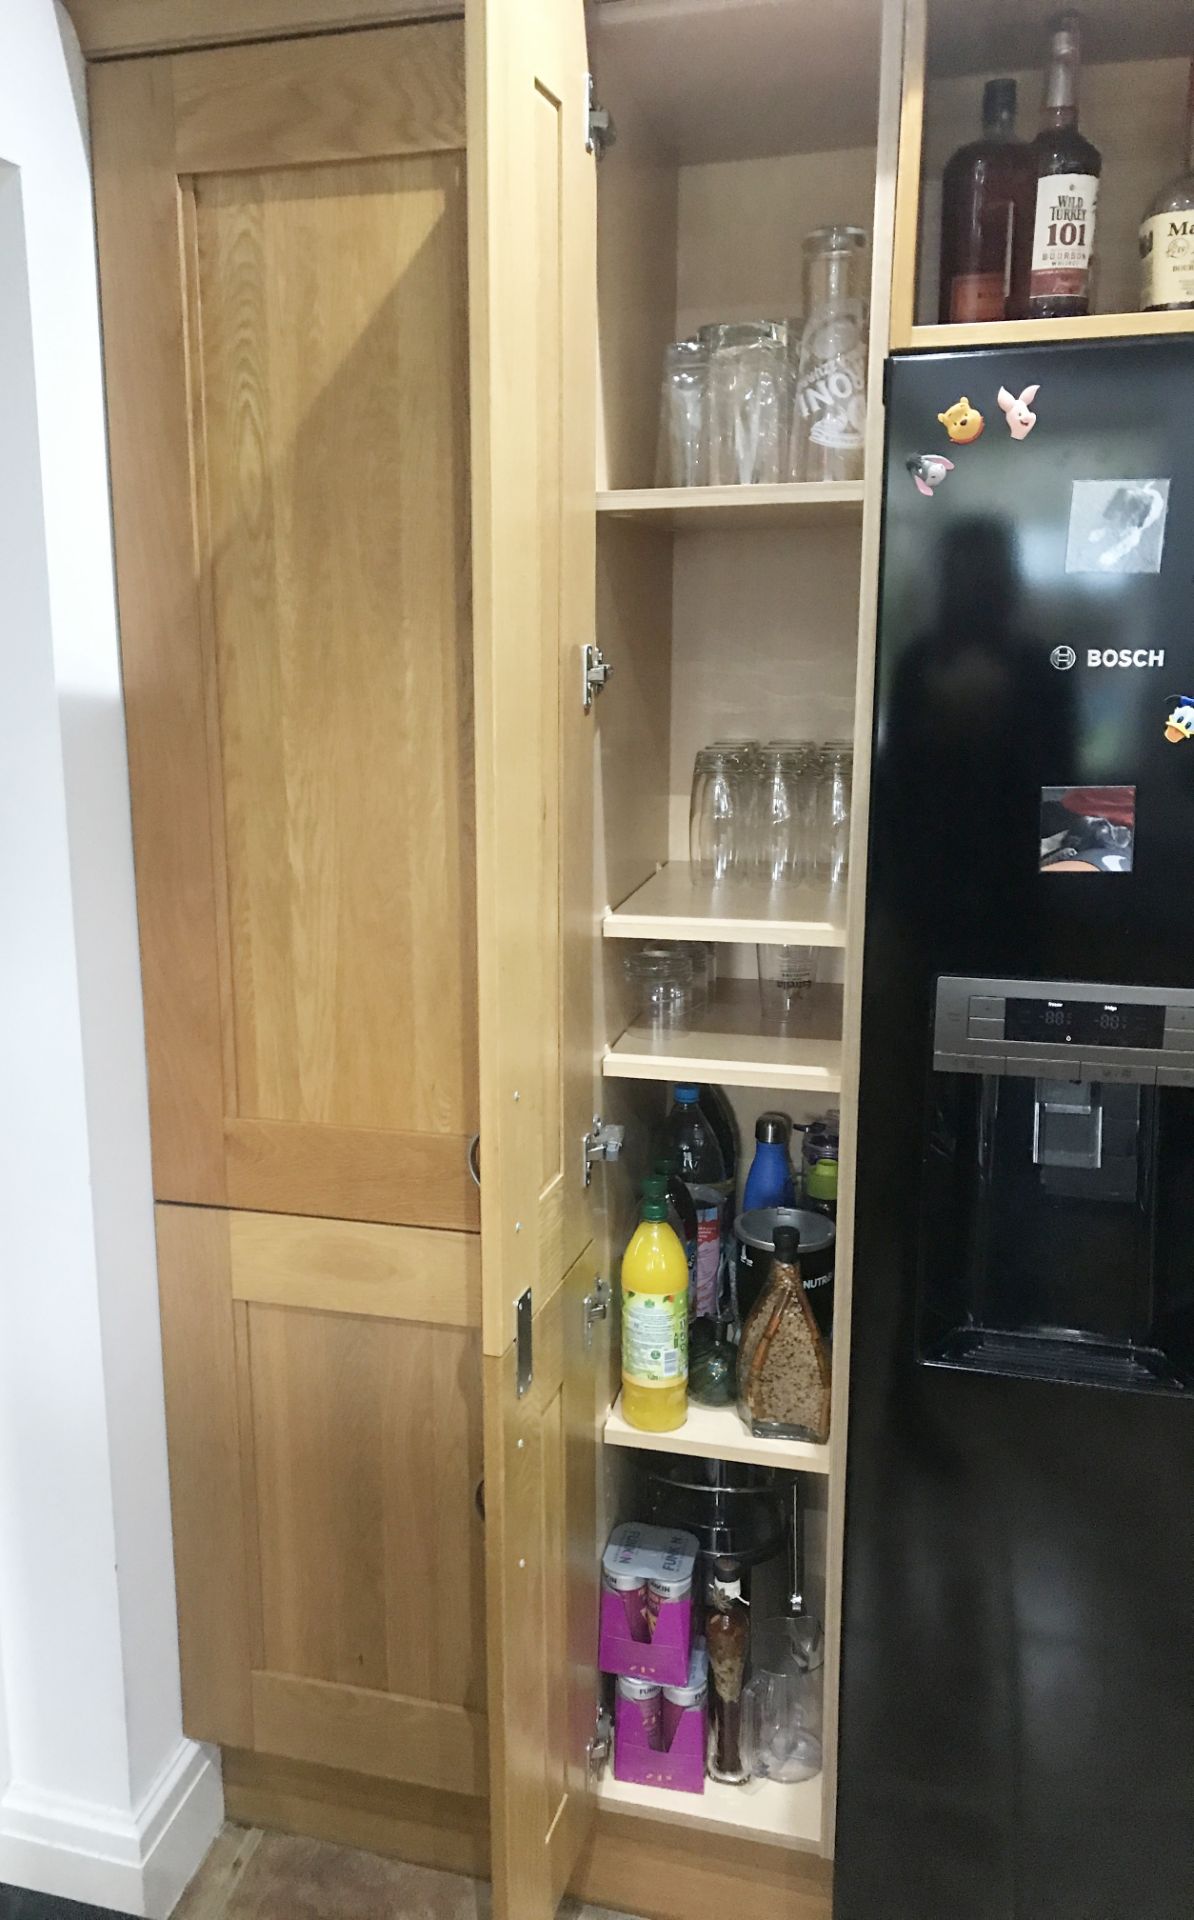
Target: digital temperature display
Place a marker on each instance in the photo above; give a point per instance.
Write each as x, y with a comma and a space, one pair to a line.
1084, 1023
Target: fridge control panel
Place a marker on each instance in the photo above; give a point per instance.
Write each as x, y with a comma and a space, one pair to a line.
1065, 1030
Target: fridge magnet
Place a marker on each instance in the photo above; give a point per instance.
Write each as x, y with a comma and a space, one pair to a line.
1117, 526
1087, 829
929, 470
1180, 724
1020, 417
962, 422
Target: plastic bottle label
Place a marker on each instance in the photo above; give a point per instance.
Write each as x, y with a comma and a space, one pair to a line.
708, 1261
654, 1338
1063, 236
1167, 253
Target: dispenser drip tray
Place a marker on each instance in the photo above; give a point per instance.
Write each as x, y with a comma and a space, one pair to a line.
1056, 1354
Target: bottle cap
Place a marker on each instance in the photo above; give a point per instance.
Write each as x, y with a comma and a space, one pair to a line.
821, 1179
787, 1244
727, 1578
773, 1129
654, 1197
687, 1096
999, 101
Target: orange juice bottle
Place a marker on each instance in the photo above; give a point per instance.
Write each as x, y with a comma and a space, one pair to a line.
655, 1319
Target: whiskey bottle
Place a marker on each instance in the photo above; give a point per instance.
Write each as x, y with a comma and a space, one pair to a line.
1167, 235
1067, 189
988, 201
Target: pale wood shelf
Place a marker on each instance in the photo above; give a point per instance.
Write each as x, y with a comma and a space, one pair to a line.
787, 1816
1014, 333
695, 509
677, 904
716, 1433
731, 1044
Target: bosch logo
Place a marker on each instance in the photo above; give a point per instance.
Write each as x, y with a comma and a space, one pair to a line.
1123, 656
1063, 658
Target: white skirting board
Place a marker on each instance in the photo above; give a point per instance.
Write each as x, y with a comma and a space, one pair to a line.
136, 1863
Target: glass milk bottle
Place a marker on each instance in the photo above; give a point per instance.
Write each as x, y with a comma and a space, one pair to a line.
829, 417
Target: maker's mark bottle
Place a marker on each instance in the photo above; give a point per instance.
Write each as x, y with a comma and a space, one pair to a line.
1167, 235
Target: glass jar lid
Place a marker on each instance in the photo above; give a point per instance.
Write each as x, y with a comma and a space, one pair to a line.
839, 239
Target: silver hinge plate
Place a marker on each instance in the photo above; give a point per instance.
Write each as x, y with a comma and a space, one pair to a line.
601, 133
601, 1143
601, 1744
524, 1337
597, 670
596, 1308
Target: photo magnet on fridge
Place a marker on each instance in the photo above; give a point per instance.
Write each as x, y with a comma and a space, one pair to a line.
1117, 526
1020, 417
962, 422
929, 470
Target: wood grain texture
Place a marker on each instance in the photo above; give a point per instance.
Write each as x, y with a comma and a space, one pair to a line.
532, 300
448, 1831
906, 251
334, 365
665, 1874
203, 1435
351, 1173
372, 1733
137, 207
349, 1267
108, 29
367, 1442
345, 97
542, 1456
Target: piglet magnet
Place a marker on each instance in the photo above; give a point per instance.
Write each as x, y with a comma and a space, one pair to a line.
1020, 417
929, 470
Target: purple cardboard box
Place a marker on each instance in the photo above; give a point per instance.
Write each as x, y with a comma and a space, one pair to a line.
646, 1603
662, 1743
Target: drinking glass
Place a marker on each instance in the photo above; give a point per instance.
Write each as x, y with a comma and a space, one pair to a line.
779, 824
663, 985
829, 418
786, 977
682, 458
835, 768
782, 1704
748, 384
718, 814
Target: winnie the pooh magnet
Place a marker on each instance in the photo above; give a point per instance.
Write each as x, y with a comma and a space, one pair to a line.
962, 422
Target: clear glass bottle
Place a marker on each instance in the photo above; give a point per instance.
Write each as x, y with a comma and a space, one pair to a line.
829, 413
1068, 168
1167, 235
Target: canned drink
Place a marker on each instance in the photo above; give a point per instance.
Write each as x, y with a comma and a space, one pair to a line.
631, 1590
673, 1582
643, 1698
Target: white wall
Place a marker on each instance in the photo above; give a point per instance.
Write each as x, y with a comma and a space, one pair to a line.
101, 1798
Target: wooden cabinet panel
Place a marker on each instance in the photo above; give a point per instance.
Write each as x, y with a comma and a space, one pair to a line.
324, 1464
284, 279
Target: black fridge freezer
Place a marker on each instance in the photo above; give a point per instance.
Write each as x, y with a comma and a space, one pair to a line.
1017, 1713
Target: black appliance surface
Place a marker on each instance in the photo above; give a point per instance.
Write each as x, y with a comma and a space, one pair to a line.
1017, 1714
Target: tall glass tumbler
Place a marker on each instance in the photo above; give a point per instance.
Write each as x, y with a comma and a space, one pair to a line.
778, 822
718, 815
683, 455
835, 783
748, 387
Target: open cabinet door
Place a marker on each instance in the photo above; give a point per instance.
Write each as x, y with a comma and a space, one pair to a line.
533, 320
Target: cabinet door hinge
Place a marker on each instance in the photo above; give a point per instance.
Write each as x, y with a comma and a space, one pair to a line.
601, 1744
601, 1143
601, 132
596, 671
524, 1323
596, 1306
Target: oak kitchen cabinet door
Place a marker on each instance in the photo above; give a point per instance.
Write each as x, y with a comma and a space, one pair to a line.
282, 235
532, 226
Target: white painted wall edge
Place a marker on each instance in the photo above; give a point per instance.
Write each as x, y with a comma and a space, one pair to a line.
136, 1863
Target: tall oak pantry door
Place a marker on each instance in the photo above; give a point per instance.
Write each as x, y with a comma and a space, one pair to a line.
283, 243
533, 306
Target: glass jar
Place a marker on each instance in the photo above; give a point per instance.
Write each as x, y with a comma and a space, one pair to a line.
829, 420
748, 386
663, 987
783, 1362
682, 458
835, 781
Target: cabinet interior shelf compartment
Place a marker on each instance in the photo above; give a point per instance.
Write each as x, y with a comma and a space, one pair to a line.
716, 1433
677, 904
695, 509
785, 1815
732, 1043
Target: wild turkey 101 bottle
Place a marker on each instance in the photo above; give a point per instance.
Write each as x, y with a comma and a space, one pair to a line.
1067, 188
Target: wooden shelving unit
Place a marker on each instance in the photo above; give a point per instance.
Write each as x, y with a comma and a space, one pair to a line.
732, 1044
1017, 333
677, 904
698, 509
716, 1433
787, 1816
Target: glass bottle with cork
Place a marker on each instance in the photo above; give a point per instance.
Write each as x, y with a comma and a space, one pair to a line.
1068, 169
988, 202
1167, 235
727, 1637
